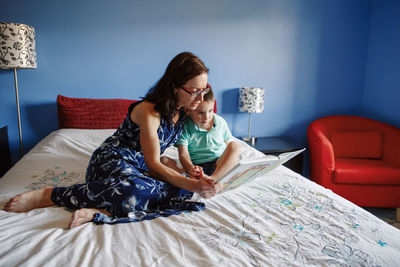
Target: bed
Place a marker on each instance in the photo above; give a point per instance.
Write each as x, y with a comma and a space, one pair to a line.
279, 219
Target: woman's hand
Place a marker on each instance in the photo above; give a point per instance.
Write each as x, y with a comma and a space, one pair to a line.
207, 186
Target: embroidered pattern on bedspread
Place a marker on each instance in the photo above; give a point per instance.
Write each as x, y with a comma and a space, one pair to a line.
53, 177
306, 223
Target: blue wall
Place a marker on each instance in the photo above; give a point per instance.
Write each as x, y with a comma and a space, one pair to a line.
309, 55
382, 84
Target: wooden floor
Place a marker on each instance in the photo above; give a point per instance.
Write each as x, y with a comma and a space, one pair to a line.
398, 215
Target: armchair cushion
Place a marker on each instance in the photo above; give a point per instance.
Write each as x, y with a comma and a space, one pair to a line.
365, 171
357, 144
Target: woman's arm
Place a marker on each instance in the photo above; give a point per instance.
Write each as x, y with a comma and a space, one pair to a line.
149, 120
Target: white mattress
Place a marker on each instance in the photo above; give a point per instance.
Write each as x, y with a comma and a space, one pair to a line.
280, 219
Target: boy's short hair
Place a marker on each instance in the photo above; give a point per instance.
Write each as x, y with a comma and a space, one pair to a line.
209, 96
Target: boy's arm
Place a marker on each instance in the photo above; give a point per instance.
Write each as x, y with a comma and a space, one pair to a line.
184, 158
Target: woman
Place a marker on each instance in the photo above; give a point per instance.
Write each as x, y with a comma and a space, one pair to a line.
125, 178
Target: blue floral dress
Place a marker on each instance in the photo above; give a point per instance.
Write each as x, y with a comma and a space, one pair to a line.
117, 179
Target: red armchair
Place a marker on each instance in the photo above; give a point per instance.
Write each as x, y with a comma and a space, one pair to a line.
357, 158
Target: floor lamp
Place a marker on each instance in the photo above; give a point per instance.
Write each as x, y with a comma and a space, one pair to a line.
17, 51
251, 100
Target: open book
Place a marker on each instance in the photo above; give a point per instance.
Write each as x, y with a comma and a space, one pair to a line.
247, 170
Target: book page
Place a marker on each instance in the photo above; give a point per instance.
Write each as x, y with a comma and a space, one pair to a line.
246, 171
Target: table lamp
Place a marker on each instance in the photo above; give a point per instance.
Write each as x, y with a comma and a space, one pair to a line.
251, 100
17, 51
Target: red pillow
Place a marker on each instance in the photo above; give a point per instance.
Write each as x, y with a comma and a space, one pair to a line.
357, 144
86, 113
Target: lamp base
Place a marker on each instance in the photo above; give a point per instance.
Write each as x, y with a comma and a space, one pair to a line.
249, 139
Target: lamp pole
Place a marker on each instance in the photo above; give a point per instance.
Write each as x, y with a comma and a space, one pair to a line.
21, 149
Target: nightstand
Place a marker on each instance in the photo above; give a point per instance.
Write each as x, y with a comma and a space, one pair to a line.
5, 163
277, 145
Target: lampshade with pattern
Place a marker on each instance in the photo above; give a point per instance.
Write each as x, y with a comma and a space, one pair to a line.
251, 99
17, 46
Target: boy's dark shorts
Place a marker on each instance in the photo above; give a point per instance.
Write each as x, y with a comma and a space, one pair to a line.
208, 167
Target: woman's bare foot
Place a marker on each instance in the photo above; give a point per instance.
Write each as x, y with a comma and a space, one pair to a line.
83, 216
30, 200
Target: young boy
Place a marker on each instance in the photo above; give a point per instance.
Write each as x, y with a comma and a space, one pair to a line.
205, 145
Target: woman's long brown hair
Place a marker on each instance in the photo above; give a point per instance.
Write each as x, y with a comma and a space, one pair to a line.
182, 68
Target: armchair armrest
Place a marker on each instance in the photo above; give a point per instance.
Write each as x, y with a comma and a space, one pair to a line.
321, 154
391, 148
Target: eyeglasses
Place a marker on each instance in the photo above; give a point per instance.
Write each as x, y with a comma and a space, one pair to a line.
195, 94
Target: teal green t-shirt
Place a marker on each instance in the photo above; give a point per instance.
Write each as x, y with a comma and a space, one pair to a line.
205, 146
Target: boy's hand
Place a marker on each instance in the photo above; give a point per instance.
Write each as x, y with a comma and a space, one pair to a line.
196, 171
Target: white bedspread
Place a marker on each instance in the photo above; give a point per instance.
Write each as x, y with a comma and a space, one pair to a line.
281, 219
